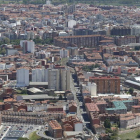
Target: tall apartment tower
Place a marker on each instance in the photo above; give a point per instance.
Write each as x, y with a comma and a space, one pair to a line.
65, 79
59, 79
64, 53
22, 77
53, 79
28, 46
39, 75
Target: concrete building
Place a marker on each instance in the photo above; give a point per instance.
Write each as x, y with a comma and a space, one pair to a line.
107, 84
64, 53
121, 31
73, 51
55, 129
53, 79
28, 46
135, 30
92, 87
59, 79
65, 79
22, 77
129, 120
39, 75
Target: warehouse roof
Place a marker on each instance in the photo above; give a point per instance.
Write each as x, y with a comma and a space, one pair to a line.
37, 97
34, 90
38, 83
132, 82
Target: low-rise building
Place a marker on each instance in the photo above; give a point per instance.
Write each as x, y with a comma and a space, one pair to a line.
118, 108
55, 129
129, 120
136, 109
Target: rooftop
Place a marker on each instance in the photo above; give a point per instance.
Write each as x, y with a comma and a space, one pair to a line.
92, 107
55, 125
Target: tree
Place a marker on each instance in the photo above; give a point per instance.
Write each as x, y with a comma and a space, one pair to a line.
138, 135
107, 124
24, 92
23, 139
131, 90
2, 51
6, 40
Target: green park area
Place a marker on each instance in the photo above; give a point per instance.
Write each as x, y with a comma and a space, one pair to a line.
130, 135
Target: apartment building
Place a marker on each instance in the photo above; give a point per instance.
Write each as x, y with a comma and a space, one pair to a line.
39, 75
91, 107
28, 46
121, 31
124, 40
39, 118
55, 129
73, 122
59, 79
64, 53
53, 79
85, 40
22, 77
107, 84
129, 120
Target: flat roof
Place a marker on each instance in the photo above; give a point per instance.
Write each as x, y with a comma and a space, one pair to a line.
119, 104
133, 82
34, 90
38, 83
36, 97
127, 101
59, 92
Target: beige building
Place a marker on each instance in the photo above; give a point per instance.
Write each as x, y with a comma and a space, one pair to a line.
129, 120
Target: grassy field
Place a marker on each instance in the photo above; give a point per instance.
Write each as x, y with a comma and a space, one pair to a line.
34, 136
130, 135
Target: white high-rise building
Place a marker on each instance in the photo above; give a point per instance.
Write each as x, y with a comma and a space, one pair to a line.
39, 75
64, 53
22, 77
48, 2
92, 87
59, 79
28, 46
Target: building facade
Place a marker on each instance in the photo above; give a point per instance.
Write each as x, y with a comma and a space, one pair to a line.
55, 129
107, 84
22, 77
